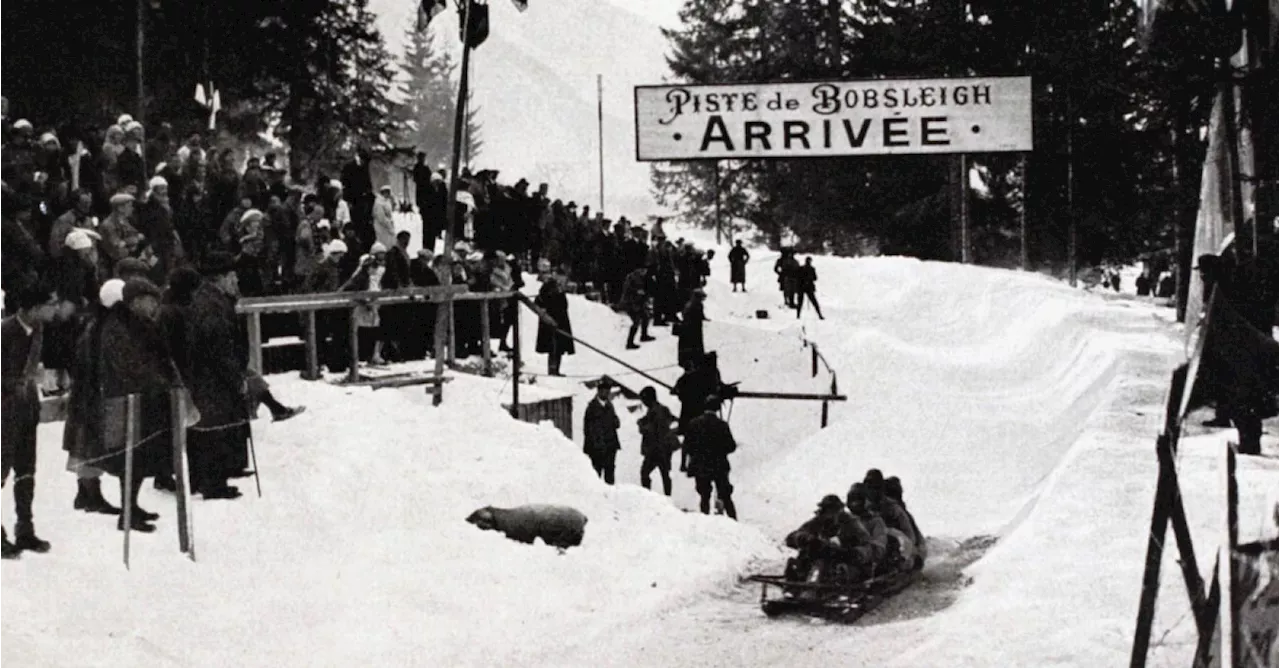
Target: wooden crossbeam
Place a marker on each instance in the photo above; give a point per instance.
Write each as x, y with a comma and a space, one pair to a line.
321, 301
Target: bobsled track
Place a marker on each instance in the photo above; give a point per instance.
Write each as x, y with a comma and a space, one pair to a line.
1018, 412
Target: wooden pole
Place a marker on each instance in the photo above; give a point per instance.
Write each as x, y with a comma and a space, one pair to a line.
1024, 242
515, 359
451, 205
1230, 632
1071, 196
964, 210
719, 224
141, 114
255, 342
600, 131
130, 440
353, 347
313, 354
814, 348
486, 355
177, 423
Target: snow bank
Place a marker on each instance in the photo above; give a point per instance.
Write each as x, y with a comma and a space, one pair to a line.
359, 554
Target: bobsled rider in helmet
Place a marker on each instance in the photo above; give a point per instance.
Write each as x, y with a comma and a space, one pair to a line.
835, 535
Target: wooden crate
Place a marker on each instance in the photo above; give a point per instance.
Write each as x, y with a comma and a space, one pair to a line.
558, 411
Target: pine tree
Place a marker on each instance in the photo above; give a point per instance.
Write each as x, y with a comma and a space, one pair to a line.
429, 93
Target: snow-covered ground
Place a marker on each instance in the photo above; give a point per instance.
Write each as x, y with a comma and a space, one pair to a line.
1017, 411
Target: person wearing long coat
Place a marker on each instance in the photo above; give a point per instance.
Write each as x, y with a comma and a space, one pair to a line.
600, 432
82, 401
691, 347
218, 443
556, 309
133, 358
738, 258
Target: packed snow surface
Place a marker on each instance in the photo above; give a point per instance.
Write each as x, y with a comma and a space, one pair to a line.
1009, 404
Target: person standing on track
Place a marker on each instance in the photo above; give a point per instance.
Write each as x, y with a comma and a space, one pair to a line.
738, 258
600, 431
709, 442
657, 440
807, 279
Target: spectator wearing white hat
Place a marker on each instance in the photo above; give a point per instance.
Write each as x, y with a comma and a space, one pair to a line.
251, 242
155, 218
341, 216
79, 216
331, 324
129, 168
368, 277
19, 158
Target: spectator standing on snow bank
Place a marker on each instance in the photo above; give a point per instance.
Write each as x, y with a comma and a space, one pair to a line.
708, 443
634, 301
657, 440
600, 432
807, 279
691, 347
21, 337
556, 308
738, 258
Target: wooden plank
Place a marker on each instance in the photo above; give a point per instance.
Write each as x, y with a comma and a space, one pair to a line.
327, 300
132, 415
255, 342
384, 383
313, 354
790, 395
441, 335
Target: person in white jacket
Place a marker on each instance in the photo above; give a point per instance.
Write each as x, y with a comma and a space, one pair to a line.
384, 224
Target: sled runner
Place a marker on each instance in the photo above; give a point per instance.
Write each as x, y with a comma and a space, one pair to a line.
829, 595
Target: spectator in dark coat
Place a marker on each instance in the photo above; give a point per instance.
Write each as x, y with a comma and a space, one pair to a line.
218, 443
806, 283
357, 190
691, 347
80, 443
634, 301
738, 258
600, 432
555, 316
21, 335
709, 442
657, 440
134, 358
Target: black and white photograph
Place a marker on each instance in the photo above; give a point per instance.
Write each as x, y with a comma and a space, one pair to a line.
640, 333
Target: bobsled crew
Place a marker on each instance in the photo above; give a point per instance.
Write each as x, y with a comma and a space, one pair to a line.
852, 554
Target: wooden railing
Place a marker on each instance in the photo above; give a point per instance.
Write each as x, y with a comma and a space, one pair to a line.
308, 304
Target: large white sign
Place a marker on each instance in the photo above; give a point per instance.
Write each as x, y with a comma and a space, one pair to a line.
831, 118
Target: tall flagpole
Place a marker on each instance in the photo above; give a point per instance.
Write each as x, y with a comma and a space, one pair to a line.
600, 131
445, 316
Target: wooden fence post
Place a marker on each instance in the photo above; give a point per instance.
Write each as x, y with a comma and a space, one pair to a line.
515, 359
353, 345
441, 336
814, 348
131, 416
485, 353
312, 372
255, 342
177, 423
1229, 634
